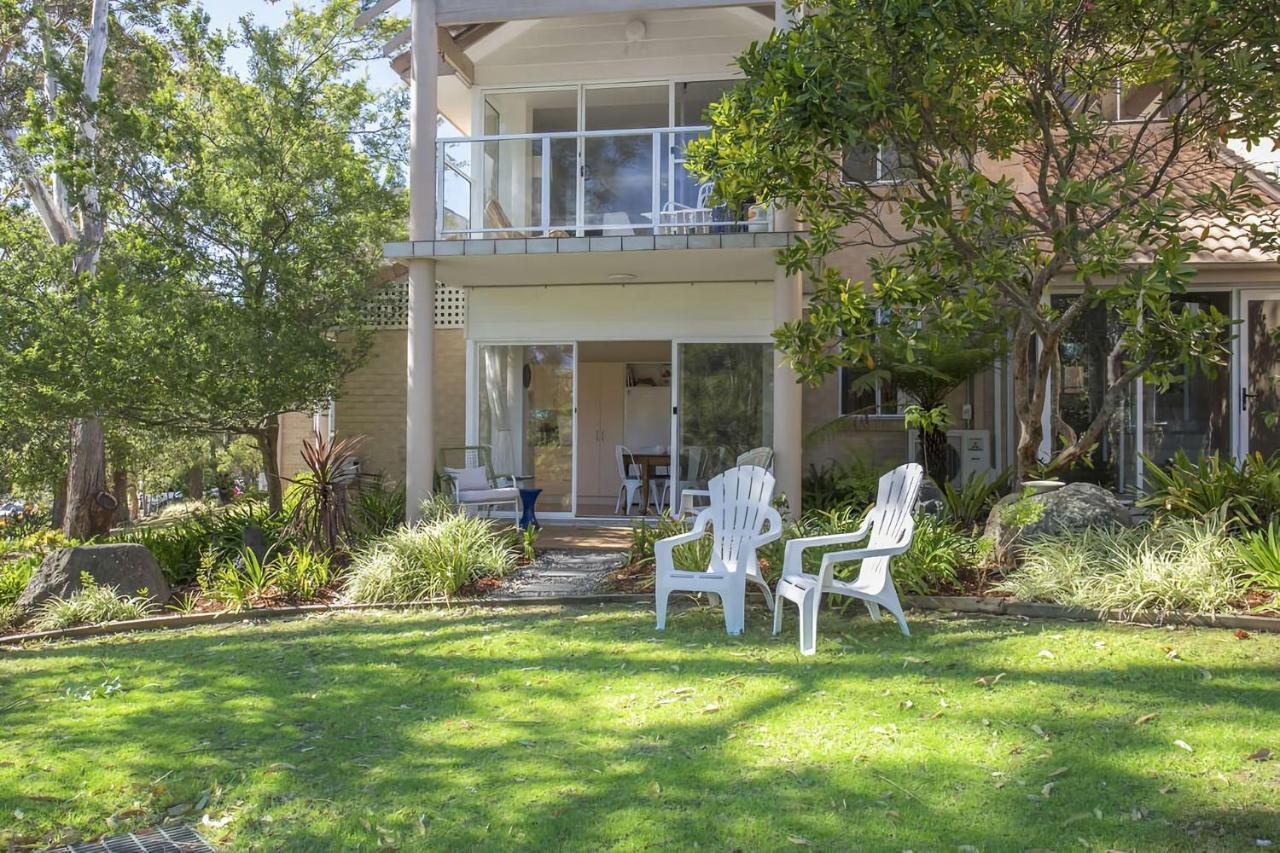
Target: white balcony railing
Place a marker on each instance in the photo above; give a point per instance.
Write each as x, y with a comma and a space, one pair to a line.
590, 183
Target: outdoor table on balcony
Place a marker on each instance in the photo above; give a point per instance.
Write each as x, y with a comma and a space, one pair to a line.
649, 461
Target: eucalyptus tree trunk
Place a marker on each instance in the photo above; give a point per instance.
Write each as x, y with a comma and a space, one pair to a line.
120, 490
195, 482
89, 505
91, 515
268, 441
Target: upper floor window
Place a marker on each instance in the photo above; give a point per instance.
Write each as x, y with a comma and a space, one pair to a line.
870, 164
1139, 103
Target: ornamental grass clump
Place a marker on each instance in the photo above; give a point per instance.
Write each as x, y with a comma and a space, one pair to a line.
431, 559
1180, 565
91, 605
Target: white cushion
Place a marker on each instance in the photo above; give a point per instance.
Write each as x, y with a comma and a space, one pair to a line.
486, 496
469, 479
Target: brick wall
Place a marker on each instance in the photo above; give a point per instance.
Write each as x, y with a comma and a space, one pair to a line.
295, 427
372, 402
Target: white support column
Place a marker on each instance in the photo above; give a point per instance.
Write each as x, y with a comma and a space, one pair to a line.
788, 394
420, 445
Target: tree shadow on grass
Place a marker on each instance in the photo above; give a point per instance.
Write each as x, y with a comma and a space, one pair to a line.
585, 729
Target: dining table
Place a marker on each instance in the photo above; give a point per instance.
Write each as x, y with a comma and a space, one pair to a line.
649, 460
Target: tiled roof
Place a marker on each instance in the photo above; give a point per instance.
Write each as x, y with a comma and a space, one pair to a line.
1229, 243
1194, 171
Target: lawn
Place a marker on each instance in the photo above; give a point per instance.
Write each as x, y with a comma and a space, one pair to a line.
583, 728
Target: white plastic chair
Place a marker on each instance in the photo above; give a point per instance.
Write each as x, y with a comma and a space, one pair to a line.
891, 526
741, 520
629, 472
760, 457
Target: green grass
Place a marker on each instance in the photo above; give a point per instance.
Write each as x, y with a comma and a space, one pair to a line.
583, 729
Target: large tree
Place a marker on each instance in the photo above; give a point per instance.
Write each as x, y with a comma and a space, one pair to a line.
275, 189
67, 111
985, 151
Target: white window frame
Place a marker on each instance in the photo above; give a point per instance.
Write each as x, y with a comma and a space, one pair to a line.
882, 179
878, 414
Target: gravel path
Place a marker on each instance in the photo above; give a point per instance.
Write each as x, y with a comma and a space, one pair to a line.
562, 573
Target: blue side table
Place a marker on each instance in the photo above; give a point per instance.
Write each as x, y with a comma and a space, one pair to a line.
528, 501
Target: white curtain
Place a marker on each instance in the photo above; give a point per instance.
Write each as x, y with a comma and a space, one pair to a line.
495, 382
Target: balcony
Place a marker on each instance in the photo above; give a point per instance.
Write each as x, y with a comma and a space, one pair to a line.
593, 183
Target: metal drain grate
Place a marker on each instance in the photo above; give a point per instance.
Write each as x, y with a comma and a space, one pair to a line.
160, 839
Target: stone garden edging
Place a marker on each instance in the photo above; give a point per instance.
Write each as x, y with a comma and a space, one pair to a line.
986, 605
998, 606
184, 620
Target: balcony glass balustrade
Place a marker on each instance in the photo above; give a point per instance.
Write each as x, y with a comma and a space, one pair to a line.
594, 183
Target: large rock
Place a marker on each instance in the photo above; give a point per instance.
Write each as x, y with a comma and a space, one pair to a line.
128, 567
1070, 509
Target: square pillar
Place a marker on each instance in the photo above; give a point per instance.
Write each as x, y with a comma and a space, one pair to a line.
420, 444
788, 396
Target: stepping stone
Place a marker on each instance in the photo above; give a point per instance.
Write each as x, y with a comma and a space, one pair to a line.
561, 573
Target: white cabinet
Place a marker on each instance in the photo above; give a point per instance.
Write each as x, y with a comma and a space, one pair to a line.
601, 412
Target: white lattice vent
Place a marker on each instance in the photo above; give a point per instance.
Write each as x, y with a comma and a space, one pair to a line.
451, 307
389, 308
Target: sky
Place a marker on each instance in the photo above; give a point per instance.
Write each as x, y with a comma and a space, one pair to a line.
225, 13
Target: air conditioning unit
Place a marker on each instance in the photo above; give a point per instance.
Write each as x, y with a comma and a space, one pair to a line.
968, 453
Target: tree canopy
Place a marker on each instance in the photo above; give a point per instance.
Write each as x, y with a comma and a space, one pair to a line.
243, 208
984, 152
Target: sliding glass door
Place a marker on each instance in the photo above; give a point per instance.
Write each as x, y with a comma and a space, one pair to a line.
1260, 374
723, 408
526, 416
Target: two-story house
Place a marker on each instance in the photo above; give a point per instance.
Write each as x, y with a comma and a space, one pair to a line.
568, 288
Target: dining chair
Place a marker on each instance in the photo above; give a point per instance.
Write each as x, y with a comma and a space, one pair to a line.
629, 474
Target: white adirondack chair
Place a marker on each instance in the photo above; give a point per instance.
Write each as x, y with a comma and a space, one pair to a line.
741, 521
891, 526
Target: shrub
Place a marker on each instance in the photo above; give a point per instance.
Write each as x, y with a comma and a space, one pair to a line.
644, 536
1181, 565
378, 511
92, 605
11, 618
940, 551
14, 575
1259, 551
1244, 495
23, 524
182, 546
177, 548
321, 513
969, 505
302, 573
839, 485
433, 558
